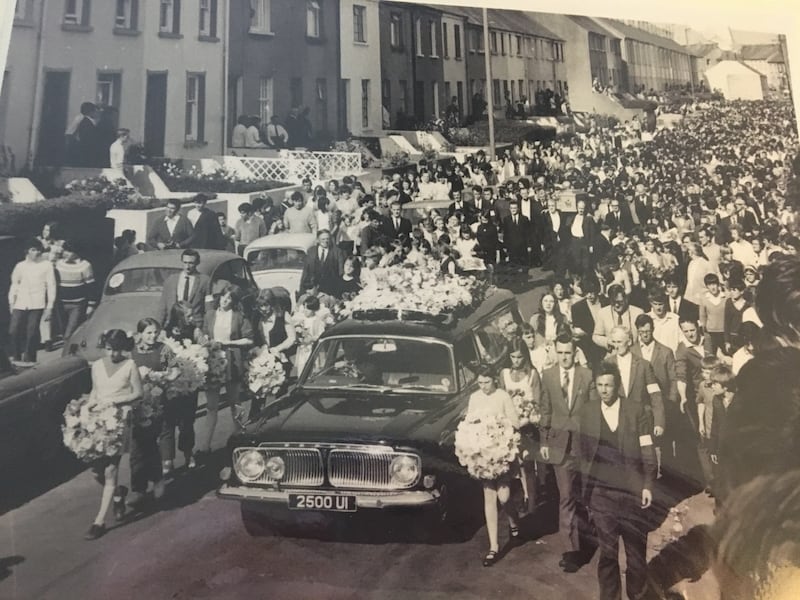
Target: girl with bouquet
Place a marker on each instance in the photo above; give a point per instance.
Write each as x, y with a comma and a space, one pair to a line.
492, 402
523, 384
150, 357
309, 325
227, 325
115, 382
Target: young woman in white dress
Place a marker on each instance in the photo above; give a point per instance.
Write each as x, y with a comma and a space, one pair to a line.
490, 400
115, 381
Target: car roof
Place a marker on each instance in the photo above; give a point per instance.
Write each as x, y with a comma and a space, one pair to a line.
301, 241
497, 300
209, 260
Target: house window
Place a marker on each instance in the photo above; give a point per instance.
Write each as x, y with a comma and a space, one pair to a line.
435, 92
457, 41
503, 44
313, 18
396, 30
386, 95
513, 90
296, 91
208, 18
260, 16
265, 99
195, 107
359, 24
447, 91
418, 36
169, 17
365, 103
493, 42
108, 89
496, 91
521, 85
77, 12
432, 30
127, 14
445, 42
403, 96
519, 45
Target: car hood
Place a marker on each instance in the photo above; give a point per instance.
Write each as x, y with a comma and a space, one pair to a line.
114, 312
360, 416
286, 278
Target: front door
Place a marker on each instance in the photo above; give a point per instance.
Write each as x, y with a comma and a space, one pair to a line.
419, 101
155, 114
50, 147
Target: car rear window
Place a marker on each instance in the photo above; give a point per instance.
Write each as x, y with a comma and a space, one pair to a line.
276, 258
131, 281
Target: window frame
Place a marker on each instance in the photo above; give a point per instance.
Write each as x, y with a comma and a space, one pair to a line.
130, 18
396, 30
418, 36
313, 19
172, 26
445, 42
194, 123
80, 19
209, 31
359, 24
267, 97
493, 42
263, 8
457, 51
112, 79
432, 28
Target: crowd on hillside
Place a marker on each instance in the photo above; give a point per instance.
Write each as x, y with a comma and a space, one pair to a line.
675, 271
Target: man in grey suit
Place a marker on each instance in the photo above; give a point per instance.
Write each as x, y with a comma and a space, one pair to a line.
566, 388
189, 287
171, 231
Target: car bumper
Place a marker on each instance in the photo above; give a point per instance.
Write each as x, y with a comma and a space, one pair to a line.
372, 500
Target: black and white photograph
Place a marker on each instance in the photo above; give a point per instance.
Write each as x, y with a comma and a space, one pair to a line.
387, 299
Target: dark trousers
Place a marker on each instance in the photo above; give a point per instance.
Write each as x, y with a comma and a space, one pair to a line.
74, 314
178, 412
578, 257
568, 481
717, 339
23, 333
616, 514
145, 456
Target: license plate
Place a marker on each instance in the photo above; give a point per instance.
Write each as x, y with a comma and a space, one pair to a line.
327, 502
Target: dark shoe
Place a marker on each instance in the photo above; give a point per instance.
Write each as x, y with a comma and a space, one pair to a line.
569, 566
119, 503
135, 500
490, 558
95, 531
514, 538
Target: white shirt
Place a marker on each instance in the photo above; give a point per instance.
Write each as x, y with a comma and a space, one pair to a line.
740, 358
647, 351
33, 285
193, 215
667, 331
223, 322
171, 223
751, 315
182, 282
571, 372
116, 155
611, 414
239, 139
555, 217
577, 227
624, 363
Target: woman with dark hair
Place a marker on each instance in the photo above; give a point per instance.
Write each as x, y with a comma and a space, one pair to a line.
227, 325
145, 460
351, 283
546, 321
489, 400
115, 382
488, 239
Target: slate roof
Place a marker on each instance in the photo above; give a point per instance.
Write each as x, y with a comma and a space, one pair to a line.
514, 21
641, 35
592, 25
701, 50
761, 52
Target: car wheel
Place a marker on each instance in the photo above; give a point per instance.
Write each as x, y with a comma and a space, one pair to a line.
257, 522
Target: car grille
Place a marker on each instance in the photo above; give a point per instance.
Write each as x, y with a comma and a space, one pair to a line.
350, 467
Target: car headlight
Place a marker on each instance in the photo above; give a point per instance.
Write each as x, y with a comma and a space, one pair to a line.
404, 470
250, 465
276, 468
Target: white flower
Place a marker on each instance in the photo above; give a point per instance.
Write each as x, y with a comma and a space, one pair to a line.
486, 446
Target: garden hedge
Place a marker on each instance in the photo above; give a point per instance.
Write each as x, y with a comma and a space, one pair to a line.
23, 220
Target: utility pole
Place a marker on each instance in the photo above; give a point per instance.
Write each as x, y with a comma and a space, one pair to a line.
787, 73
489, 83
689, 58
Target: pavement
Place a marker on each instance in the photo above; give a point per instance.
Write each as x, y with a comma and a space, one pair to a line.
194, 546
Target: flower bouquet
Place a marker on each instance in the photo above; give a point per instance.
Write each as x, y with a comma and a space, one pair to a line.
527, 410
151, 406
486, 446
188, 366
266, 373
92, 430
217, 374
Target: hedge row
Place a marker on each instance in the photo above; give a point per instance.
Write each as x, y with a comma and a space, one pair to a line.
28, 219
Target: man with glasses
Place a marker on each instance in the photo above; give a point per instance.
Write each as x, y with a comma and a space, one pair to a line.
619, 313
188, 287
617, 218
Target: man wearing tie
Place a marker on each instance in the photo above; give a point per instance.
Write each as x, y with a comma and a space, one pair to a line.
676, 303
395, 224
619, 312
516, 236
323, 267
580, 238
188, 287
619, 470
566, 388
553, 235
459, 205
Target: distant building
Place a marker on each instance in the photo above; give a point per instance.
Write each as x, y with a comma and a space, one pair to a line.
737, 81
706, 55
768, 60
158, 65
360, 44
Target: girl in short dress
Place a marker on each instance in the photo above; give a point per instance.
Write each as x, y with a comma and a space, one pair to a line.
312, 319
115, 381
490, 400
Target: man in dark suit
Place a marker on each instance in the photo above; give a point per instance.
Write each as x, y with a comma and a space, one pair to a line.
207, 233
323, 267
553, 235
396, 224
619, 468
583, 319
516, 236
580, 232
638, 381
566, 388
171, 231
676, 303
602, 243
459, 205
618, 218
189, 287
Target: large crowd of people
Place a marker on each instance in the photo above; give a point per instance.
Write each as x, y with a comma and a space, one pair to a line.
674, 275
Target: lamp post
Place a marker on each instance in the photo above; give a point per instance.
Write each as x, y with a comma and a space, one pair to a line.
489, 82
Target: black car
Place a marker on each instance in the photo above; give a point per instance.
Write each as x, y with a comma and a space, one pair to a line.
370, 424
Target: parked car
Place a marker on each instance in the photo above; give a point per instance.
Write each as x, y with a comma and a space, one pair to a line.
133, 288
277, 260
370, 424
32, 403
